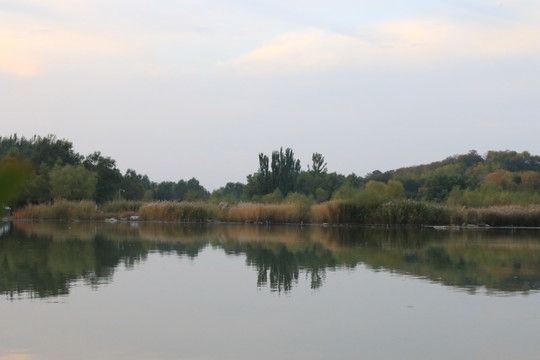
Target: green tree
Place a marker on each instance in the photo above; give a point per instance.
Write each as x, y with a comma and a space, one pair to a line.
195, 191
308, 182
263, 176
411, 187
133, 185
471, 159
180, 190
394, 190
72, 182
164, 191
297, 198
322, 186
379, 176
274, 197
41, 150
438, 187
251, 189
14, 172
346, 192
285, 170
38, 187
109, 180
374, 191
321, 195
513, 161
230, 193
50, 149
319, 166
233, 189
280, 172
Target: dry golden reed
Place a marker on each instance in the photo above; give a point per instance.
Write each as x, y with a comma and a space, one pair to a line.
275, 213
399, 212
59, 210
178, 211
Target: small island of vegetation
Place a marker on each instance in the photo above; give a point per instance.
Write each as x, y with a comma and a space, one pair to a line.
44, 178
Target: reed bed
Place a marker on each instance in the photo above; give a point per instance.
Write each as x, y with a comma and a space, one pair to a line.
178, 211
398, 212
409, 212
527, 216
59, 210
271, 213
405, 212
118, 206
320, 213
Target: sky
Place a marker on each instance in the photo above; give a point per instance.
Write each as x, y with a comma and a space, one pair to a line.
181, 89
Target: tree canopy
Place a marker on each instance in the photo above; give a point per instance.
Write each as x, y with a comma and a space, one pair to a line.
41, 169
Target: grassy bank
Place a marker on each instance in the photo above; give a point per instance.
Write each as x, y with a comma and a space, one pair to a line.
398, 212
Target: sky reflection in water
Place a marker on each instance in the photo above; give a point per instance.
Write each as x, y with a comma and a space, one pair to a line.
161, 291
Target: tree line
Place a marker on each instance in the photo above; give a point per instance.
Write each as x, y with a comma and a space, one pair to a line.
53, 170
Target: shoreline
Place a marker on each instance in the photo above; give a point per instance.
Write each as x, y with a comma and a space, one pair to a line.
448, 227
331, 213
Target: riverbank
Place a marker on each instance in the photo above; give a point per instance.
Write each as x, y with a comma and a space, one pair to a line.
404, 212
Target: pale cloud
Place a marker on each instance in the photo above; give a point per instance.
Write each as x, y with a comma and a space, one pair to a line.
396, 44
443, 40
32, 43
17, 357
13, 59
49, 37
306, 50
28, 53
141, 38
63, 7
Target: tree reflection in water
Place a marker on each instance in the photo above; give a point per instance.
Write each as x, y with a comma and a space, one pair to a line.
282, 267
44, 259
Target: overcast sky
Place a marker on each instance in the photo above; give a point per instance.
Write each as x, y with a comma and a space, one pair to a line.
180, 89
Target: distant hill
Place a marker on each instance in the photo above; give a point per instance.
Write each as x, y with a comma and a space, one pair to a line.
503, 171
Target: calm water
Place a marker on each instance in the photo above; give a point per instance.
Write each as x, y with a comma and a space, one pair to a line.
166, 291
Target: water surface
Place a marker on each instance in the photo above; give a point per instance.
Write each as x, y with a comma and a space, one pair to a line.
168, 291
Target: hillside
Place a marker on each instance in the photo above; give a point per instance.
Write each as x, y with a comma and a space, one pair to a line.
498, 177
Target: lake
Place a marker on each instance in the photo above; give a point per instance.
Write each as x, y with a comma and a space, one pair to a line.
233, 291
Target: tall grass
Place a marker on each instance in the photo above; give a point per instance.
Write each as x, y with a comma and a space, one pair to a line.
505, 215
288, 212
178, 211
409, 212
398, 212
118, 206
59, 210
